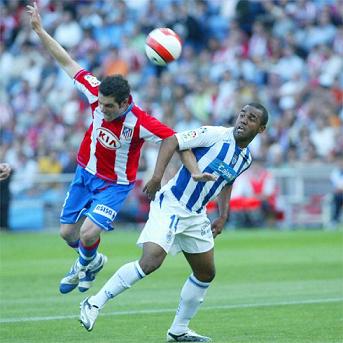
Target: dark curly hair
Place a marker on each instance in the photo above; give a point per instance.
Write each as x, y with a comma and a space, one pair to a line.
116, 86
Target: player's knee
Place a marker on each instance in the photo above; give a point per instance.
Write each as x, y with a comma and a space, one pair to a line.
150, 264
89, 238
89, 233
66, 232
206, 275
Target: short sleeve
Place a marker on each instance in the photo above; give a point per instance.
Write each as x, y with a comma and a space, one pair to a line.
151, 129
88, 84
202, 137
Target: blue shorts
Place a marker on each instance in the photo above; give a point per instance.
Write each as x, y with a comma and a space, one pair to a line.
95, 198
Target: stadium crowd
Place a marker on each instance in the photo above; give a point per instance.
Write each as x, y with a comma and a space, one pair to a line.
284, 54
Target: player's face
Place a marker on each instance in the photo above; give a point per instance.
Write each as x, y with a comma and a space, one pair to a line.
109, 107
248, 125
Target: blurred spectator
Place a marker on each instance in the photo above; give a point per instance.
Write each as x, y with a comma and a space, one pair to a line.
5, 199
337, 198
286, 54
254, 198
5, 171
5, 195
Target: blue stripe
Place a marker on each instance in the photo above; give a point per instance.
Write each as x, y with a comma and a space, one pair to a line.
161, 199
245, 160
199, 187
181, 183
185, 176
208, 196
138, 273
219, 181
196, 282
200, 152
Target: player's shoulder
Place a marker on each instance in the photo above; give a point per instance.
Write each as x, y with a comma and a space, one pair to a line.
221, 132
144, 117
140, 113
87, 76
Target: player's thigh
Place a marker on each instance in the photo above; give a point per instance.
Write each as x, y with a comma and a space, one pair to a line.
202, 265
159, 227
106, 204
77, 200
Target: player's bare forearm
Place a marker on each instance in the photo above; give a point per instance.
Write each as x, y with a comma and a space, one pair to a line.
53, 47
189, 161
167, 149
223, 199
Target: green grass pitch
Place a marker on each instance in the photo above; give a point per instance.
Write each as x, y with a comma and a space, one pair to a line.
270, 286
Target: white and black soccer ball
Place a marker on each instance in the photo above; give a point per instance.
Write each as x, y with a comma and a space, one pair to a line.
163, 46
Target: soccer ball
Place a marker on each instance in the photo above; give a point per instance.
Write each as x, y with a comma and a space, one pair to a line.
163, 46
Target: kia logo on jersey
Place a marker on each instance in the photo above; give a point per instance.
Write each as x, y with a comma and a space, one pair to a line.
108, 139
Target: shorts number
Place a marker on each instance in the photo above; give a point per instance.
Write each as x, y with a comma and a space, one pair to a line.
174, 220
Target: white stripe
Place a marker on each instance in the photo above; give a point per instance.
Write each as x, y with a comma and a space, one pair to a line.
87, 258
122, 154
167, 310
191, 186
82, 88
97, 121
148, 135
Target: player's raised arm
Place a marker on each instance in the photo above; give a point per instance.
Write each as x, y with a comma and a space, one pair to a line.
54, 48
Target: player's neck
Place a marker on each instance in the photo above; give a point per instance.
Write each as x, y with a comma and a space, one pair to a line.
242, 143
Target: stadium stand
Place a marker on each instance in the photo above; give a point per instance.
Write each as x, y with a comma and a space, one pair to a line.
286, 54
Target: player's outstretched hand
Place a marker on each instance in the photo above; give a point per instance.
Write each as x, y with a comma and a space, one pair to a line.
203, 177
152, 187
5, 171
217, 226
36, 21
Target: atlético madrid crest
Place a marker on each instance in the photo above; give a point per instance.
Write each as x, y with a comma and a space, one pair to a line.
127, 132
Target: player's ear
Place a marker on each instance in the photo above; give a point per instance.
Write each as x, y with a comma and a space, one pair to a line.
262, 128
124, 103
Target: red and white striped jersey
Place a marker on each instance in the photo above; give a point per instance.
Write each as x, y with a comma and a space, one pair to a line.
111, 150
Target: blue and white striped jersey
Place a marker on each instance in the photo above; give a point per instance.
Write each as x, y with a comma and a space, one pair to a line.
216, 152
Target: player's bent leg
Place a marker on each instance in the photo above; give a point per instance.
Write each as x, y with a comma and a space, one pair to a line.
192, 296
202, 265
89, 257
72, 278
124, 278
70, 233
152, 257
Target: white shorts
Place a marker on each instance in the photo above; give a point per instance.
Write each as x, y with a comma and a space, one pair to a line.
176, 229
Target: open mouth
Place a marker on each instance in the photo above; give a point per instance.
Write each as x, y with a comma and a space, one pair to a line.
240, 129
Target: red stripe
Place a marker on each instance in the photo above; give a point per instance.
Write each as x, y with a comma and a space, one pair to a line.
80, 77
169, 32
134, 154
160, 50
78, 73
85, 147
91, 247
106, 159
